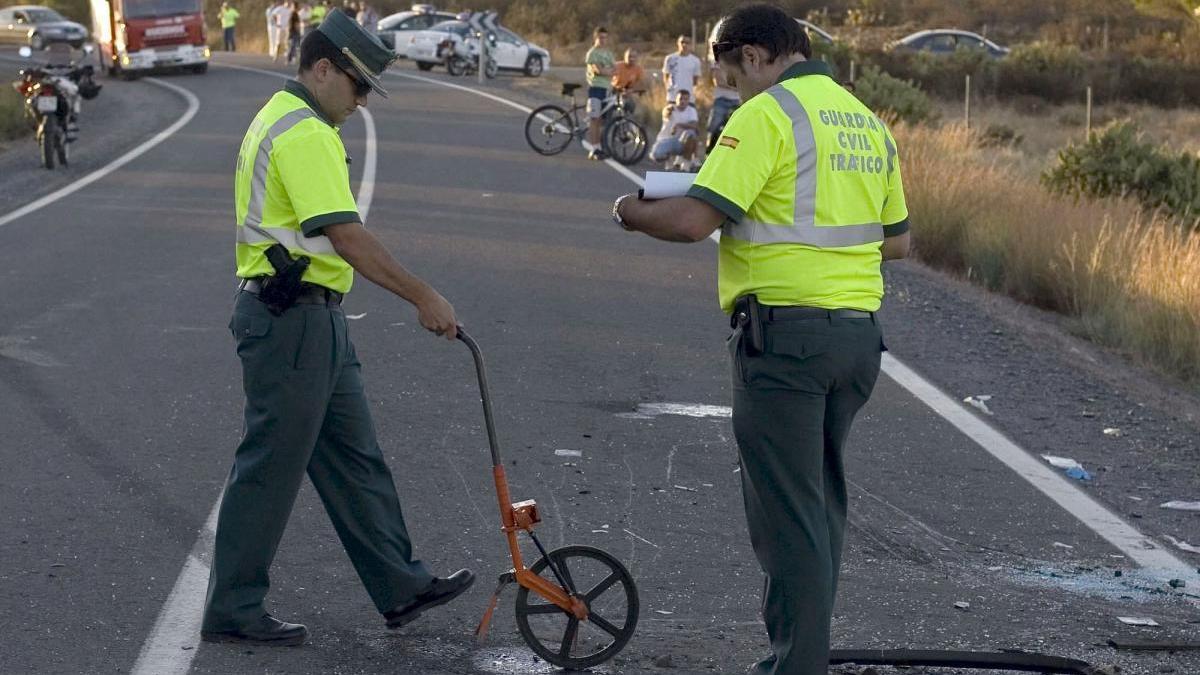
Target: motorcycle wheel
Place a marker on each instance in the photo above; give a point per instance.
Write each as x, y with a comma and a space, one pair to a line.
456, 66
46, 141
491, 69
62, 149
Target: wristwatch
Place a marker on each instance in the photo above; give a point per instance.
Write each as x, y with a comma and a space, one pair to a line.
616, 213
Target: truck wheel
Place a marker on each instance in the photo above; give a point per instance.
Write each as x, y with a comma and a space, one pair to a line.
422, 65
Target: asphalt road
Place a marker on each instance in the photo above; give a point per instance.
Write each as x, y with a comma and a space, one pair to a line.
121, 396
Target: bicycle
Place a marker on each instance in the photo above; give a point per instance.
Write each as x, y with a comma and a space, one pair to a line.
551, 128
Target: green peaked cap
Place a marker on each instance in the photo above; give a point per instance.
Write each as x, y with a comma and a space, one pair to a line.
362, 50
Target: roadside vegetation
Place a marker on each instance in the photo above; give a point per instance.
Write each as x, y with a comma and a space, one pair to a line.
1129, 277
12, 116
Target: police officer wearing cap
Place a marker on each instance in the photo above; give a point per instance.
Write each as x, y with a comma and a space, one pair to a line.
299, 242
805, 187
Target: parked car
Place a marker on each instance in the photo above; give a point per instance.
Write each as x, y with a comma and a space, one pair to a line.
511, 51
396, 30
815, 34
39, 26
948, 41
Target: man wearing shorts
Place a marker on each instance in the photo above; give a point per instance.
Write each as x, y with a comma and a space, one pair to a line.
676, 142
600, 64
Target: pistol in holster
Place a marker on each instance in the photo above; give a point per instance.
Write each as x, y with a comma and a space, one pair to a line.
279, 291
747, 315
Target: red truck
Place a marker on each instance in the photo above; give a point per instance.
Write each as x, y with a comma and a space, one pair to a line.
135, 36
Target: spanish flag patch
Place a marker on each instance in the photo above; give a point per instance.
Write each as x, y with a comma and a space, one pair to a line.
729, 142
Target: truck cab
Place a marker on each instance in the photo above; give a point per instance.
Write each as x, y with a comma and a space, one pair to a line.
138, 36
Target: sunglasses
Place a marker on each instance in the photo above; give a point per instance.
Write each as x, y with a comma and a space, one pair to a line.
361, 87
719, 48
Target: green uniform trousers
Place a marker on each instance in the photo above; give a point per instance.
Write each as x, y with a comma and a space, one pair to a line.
792, 410
305, 412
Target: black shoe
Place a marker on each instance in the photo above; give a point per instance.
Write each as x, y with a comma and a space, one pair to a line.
269, 631
441, 591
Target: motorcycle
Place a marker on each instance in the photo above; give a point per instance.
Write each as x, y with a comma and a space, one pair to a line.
463, 59
52, 94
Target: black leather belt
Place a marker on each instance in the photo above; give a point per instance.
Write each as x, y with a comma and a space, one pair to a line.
799, 313
312, 294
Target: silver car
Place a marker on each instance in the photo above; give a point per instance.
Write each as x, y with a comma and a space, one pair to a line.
396, 30
39, 26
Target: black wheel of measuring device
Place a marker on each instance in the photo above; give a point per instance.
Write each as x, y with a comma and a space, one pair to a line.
549, 129
610, 594
625, 140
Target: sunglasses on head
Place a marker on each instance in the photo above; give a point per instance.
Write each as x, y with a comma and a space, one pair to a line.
719, 48
361, 87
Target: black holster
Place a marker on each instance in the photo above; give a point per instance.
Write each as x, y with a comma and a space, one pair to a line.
747, 314
279, 292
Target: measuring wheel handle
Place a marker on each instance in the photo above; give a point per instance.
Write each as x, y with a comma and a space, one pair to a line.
586, 609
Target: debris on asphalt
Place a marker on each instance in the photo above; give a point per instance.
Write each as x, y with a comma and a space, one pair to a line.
563, 452
1059, 544
684, 488
641, 539
1136, 621
1073, 469
664, 662
1181, 506
1183, 545
1177, 583
964, 606
1112, 431
1133, 645
599, 531
979, 402
663, 612
355, 317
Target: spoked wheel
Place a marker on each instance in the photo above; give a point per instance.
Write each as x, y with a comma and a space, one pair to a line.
610, 594
491, 69
549, 130
625, 140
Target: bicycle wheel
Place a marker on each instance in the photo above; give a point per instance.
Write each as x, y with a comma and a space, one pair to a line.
625, 140
610, 594
549, 129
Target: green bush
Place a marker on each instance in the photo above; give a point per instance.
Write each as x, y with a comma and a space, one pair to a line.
893, 97
1049, 71
12, 115
1117, 162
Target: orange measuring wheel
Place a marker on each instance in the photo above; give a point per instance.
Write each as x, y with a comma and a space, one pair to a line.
577, 606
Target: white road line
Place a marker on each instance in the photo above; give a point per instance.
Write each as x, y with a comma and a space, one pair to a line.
193, 106
1157, 561
176, 634
173, 642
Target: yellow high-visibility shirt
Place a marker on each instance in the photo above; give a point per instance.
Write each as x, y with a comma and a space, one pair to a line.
809, 179
293, 179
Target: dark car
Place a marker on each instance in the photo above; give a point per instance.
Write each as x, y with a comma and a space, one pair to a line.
39, 26
948, 41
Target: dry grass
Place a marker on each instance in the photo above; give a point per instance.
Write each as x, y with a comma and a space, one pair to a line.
12, 115
1131, 280
1044, 128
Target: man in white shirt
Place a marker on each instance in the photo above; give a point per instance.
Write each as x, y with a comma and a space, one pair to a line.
279, 18
681, 70
676, 142
272, 29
